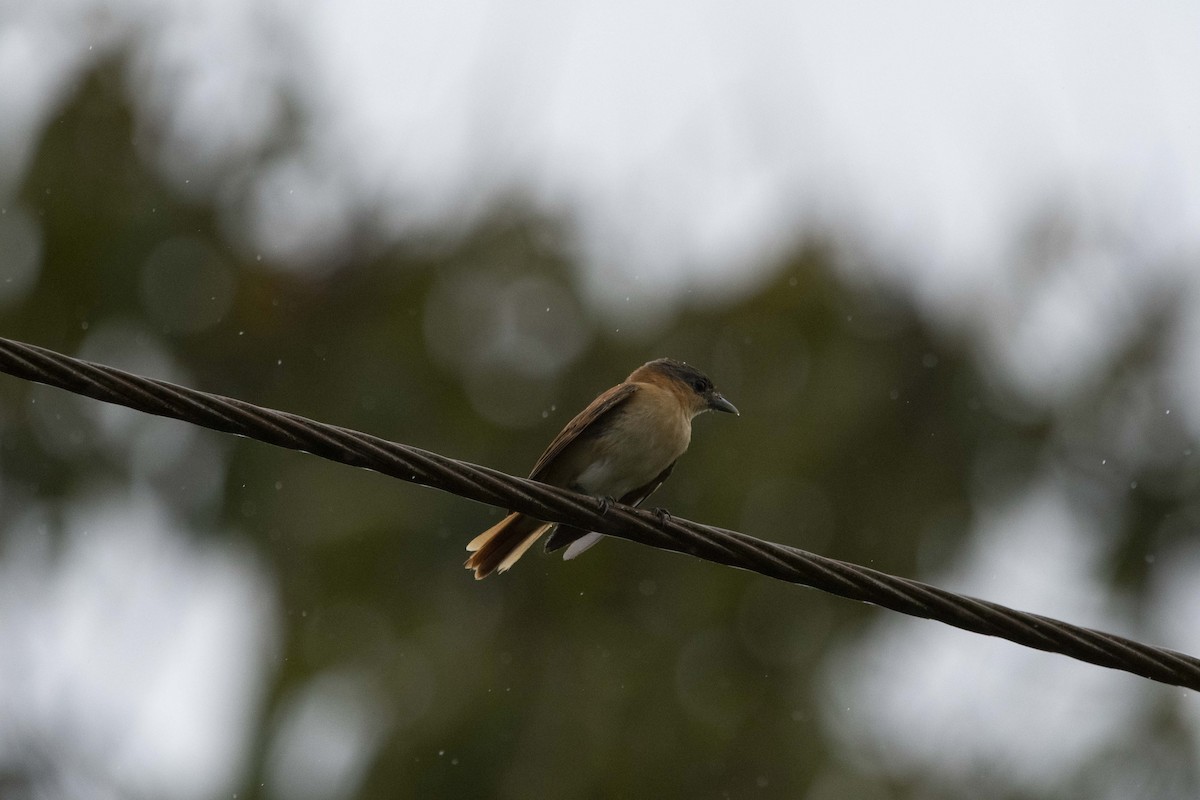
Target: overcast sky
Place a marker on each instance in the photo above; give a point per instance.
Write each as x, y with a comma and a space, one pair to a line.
691, 140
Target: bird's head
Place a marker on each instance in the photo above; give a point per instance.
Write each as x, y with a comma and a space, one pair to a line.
693, 386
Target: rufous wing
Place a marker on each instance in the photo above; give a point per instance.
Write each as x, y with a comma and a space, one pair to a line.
590, 422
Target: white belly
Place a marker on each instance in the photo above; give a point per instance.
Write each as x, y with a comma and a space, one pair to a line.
629, 457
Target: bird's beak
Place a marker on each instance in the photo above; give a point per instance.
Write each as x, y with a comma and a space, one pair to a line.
718, 403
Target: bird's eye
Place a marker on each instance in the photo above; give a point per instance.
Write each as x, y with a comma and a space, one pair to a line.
699, 385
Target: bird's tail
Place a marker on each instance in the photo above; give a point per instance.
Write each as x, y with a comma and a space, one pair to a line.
499, 547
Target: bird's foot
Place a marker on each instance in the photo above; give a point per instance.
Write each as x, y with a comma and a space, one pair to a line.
605, 503
662, 514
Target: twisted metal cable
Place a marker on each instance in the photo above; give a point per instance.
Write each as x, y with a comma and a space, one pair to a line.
718, 545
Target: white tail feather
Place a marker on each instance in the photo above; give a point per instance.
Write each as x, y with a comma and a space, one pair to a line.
577, 547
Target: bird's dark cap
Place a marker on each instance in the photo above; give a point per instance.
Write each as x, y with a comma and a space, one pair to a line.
701, 384
680, 370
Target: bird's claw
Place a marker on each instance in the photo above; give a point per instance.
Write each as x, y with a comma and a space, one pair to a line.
605, 503
662, 514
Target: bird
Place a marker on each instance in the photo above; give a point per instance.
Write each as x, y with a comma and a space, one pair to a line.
621, 447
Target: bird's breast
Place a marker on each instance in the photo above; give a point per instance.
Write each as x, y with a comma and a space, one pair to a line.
641, 442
